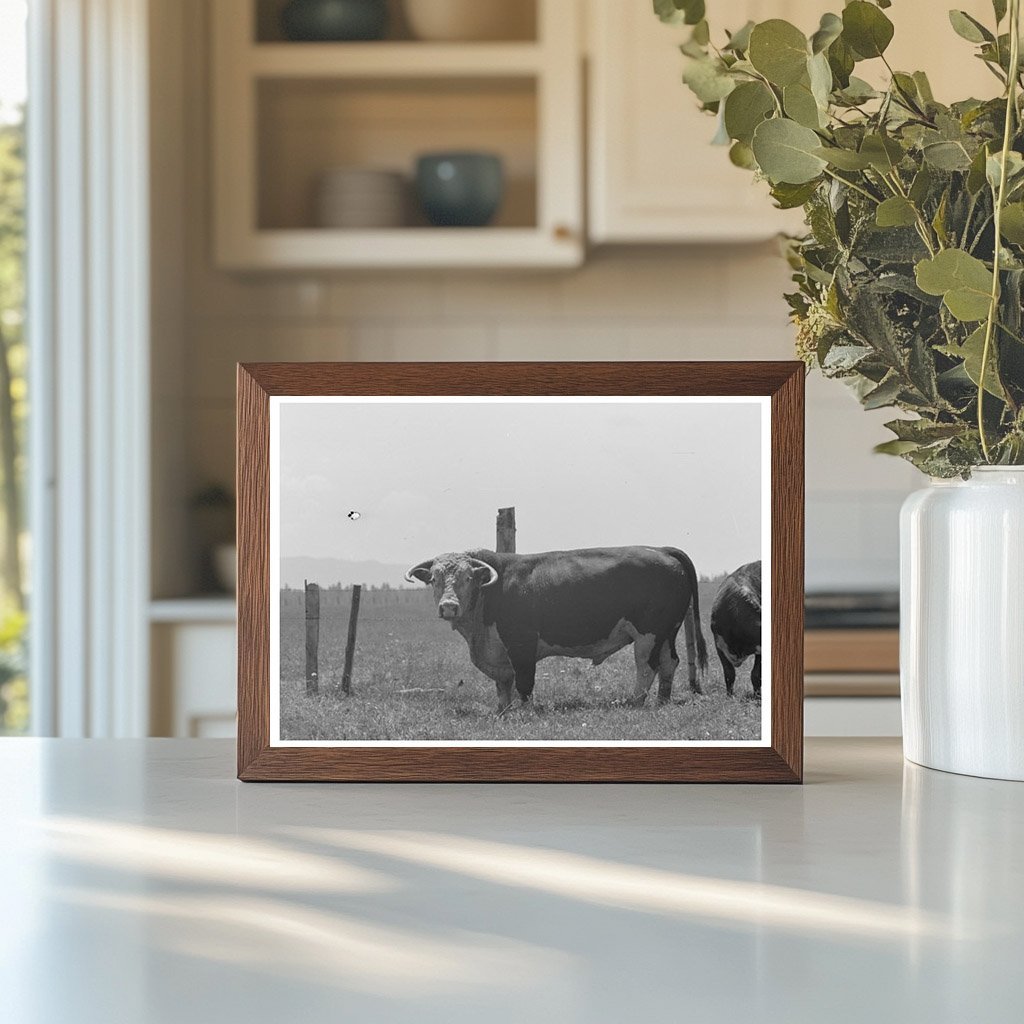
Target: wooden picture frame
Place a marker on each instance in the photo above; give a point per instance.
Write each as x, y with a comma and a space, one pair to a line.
778, 759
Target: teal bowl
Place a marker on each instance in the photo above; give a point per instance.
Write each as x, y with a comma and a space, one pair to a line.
334, 21
460, 190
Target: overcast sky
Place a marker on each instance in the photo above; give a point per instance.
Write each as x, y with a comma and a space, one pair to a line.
429, 478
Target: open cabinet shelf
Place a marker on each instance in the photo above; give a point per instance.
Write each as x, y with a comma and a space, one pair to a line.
393, 60
286, 114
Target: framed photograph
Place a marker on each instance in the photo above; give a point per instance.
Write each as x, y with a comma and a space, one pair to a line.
512, 572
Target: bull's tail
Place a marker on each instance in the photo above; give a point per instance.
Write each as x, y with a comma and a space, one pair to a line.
694, 610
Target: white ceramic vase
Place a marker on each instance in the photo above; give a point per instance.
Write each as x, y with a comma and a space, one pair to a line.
962, 624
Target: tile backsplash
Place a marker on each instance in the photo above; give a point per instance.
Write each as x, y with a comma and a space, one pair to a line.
721, 302
699, 302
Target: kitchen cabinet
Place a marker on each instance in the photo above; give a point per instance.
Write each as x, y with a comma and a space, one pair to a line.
653, 175
286, 113
192, 654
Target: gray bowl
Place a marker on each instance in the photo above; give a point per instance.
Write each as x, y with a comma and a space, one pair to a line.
461, 190
334, 20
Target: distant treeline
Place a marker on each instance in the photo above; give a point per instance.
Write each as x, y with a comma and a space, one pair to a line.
337, 599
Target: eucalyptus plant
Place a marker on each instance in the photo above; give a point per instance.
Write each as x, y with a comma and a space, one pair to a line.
910, 278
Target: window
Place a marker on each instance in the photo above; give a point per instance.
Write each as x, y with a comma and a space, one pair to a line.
14, 548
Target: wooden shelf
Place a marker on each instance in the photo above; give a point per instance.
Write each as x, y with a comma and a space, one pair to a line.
401, 247
393, 60
207, 608
852, 650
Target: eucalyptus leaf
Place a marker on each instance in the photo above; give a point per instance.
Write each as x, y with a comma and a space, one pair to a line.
924, 87
789, 197
1012, 223
829, 30
785, 152
895, 447
721, 136
841, 60
969, 28
976, 172
675, 12
947, 156
739, 41
884, 395
779, 51
844, 159
972, 352
858, 91
819, 74
963, 281
708, 80
745, 108
921, 185
883, 153
895, 212
923, 431
800, 105
866, 29
741, 155
994, 169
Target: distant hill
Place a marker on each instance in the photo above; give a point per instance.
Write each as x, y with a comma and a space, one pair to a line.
328, 571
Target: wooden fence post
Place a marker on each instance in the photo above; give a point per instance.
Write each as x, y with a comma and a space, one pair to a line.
312, 638
506, 530
350, 643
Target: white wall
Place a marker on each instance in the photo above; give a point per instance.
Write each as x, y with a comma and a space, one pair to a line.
656, 303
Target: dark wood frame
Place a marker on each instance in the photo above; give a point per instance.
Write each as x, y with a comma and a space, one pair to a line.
782, 761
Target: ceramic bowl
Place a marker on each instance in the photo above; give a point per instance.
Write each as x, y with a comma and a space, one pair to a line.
334, 20
460, 189
360, 197
470, 20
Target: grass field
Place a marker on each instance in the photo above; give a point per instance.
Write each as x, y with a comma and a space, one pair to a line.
413, 680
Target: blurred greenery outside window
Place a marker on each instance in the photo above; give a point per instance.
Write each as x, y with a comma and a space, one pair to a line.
14, 548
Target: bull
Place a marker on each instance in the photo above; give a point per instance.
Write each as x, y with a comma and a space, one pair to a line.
514, 610
736, 623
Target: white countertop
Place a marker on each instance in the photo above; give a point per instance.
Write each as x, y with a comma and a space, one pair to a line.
143, 885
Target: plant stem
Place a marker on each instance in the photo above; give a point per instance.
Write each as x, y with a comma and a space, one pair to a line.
856, 188
922, 225
993, 309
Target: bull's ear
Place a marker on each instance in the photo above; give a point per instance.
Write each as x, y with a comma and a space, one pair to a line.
483, 573
420, 573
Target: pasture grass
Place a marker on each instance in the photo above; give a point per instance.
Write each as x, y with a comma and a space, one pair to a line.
413, 680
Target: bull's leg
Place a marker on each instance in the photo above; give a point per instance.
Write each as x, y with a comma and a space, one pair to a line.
729, 669
526, 675
667, 664
504, 687
755, 675
643, 648
691, 653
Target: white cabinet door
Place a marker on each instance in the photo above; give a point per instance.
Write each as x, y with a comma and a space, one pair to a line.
653, 175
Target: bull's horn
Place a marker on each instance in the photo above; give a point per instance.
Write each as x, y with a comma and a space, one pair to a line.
480, 564
420, 573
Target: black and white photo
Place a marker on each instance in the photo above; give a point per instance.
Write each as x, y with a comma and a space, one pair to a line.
547, 570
